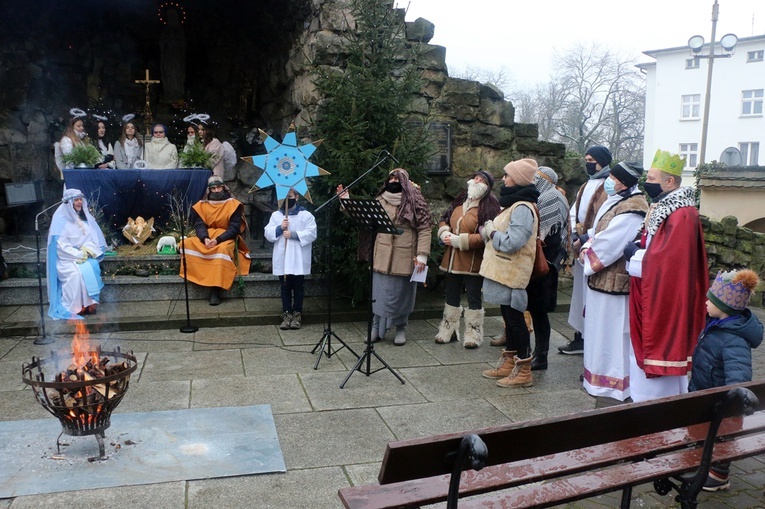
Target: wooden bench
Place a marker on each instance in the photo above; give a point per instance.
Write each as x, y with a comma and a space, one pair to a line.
547, 462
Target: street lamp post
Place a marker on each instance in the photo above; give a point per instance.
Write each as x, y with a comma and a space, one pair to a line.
696, 43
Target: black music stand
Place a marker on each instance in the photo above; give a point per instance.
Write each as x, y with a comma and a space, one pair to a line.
370, 215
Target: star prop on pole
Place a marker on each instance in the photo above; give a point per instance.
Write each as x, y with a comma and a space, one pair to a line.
285, 165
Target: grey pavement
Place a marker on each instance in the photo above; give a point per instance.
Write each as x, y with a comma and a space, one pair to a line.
330, 437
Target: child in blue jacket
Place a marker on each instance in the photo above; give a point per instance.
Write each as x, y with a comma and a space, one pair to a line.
723, 354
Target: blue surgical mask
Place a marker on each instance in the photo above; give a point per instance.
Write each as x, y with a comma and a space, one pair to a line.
609, 186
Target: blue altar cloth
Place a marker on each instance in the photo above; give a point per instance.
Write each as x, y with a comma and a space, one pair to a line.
132, 193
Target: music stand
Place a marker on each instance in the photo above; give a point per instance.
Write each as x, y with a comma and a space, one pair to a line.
370, 215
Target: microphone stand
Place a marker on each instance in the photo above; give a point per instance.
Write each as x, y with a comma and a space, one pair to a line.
44, 340
188, 328
324, 346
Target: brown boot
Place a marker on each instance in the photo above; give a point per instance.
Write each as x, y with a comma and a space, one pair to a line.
504, 366
520, 376
499, 340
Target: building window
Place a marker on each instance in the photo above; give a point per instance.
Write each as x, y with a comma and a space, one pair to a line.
755, 56
691, 106
750, 153
692, 63
691, 153
751, 102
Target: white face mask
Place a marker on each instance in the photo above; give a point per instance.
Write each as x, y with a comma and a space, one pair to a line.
81, 134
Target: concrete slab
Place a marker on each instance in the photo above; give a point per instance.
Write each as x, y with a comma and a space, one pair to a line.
155, 396
414, 421
278, 361
7, 345
449, 383
284, 393
10, 376
363, 474
143, 448
305, 438
314, 488
21, 405
263, 306
159, 341
456, 353
169, 495
408, 355
379, 389
190, 365
202, 308
538, 405
311, 334
235, 337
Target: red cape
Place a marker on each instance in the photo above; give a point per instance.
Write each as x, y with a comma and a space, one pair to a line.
667, 305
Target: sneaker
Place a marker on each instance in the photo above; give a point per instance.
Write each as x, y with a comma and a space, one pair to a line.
576, 347
286, 321
715, 483
297, 320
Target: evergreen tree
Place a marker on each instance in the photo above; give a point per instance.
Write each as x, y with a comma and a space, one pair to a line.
363, 113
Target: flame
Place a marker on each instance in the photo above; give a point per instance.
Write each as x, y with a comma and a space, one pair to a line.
81, 347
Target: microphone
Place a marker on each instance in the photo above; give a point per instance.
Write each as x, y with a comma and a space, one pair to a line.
391, 156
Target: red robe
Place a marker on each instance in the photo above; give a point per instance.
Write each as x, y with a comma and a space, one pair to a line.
667, 305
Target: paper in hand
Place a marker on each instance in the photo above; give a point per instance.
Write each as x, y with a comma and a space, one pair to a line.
419, 277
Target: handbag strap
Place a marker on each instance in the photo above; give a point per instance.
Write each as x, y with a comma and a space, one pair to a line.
539, 225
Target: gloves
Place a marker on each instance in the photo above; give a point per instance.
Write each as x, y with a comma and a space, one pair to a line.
583, 238
488, 229
630, 249
87, 252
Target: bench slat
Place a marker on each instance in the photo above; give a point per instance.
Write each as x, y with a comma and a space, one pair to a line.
424, 457
435, 489
591, 484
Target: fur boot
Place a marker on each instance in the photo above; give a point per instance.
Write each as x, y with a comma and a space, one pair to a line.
473, 327
450, 324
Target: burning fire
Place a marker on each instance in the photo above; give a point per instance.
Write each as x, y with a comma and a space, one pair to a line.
82, 352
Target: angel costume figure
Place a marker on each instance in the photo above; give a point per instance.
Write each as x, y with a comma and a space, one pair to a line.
75, 246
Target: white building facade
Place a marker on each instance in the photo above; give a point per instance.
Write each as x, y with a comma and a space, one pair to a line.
675, 95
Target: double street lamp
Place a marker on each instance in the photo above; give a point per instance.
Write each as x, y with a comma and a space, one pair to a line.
696, 43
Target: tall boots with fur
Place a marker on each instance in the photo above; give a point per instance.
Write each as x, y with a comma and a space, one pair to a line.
473, 328
450, 324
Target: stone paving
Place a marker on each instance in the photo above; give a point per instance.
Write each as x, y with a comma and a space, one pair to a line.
330, 437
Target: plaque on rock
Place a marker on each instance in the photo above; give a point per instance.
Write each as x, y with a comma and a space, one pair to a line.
440, 136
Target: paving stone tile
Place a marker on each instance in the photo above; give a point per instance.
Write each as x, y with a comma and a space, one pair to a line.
284, 393
191, 365
378, 389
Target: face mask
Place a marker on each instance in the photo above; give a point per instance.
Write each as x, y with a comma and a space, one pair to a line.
652, 189
291, 202
216, 196
394, 187
192, 137
591, 168
609, 186
81, 134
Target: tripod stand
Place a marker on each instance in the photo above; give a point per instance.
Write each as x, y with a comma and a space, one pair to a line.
370, 215
324, 346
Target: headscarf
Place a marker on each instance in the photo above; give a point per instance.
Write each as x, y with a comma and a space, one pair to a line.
413, 208
67, 223
553, 207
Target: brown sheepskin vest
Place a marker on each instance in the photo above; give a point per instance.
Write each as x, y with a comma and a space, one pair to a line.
512, 270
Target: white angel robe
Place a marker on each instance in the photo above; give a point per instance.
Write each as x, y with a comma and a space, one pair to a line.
292, 256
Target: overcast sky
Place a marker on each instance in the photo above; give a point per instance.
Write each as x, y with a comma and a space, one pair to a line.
523, 35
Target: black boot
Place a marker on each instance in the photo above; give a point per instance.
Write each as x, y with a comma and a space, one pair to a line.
539, 362
215, 296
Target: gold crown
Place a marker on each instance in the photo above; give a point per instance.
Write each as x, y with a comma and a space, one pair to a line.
668, 163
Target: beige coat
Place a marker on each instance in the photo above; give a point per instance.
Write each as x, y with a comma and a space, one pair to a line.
466, 253
395, 254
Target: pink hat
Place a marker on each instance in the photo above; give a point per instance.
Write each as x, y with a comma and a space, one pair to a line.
522, 171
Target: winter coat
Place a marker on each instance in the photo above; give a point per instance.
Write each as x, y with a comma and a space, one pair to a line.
723, 355
395, 254
465, 254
